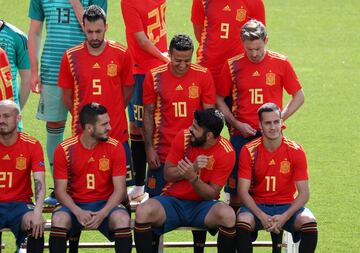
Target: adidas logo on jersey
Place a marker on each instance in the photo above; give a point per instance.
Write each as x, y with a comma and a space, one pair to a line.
226, 8
6, 157
256, 73
179, 87
96, 66
272, 162
91, 160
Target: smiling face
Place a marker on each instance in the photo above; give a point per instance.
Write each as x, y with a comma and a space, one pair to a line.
180, 61
198, 135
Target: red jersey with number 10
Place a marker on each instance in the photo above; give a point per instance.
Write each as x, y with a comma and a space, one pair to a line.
146, 16
273, 174
176, 99
89, 171
98, 79
16, 164
6, 88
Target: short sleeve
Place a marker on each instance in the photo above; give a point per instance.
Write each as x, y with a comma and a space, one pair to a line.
224, 84
223, 168
257, 10
197, 12
36, 10
176, 152
126, 74
244, 167
132, 18
119, 161
60, 163
291, 81
37, 158
66, 79
149, 95
300, 165
22, 54
208, 89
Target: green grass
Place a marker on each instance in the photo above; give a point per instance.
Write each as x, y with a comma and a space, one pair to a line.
321, 39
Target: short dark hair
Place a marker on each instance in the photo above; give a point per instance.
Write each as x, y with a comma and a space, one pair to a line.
181, 42
211, 119
89, 113
94, 13
268, 107
253, 30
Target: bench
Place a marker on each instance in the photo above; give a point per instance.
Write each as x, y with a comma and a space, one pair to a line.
287, 243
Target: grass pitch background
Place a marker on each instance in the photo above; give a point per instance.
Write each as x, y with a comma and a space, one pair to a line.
321, 39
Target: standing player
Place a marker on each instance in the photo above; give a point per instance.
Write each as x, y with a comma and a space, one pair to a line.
217, 25
146, 38
251, 79
6, 89
20, 155
14, 42
90, 172
272, 169
63, 30
197, 167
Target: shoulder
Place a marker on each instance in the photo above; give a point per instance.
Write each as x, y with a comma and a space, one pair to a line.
226, 145
160, 69
236, 58
117, 46
66, 144
75, 49
277, 56
16, 31
253, 146
112, 142
197, 68
292, 144
28, 139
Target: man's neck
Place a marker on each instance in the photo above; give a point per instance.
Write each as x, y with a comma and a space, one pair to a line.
96, 51
9, 139
272, 145
209, 143
87, 141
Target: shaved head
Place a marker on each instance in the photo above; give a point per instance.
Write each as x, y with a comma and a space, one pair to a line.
7, 103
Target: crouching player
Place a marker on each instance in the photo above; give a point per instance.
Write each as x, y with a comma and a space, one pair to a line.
89, 173
271, 169
196, 168
20, 155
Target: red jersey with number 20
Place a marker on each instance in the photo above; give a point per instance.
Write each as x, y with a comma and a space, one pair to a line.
273, 174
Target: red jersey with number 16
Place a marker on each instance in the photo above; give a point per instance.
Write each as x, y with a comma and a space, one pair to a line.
89, 171
98, 79
16, 164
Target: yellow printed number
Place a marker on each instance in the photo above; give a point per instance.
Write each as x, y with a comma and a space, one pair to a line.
90, 181
6, 176
180, 109
225, 30
138, 112
96, 87
270, 183
257, 97
159, 15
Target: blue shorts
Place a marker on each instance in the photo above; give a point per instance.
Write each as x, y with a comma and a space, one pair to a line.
155, 181
272, 210
11, 215
135, 107
91, 206
183, 213
129, 168
237, 142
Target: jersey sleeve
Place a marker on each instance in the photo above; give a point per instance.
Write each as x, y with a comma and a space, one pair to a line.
149, 95
257, 10
132, 18
101, 3
36, 10
66, 79
224, 84
60, 163
300, 166
197, 12
119, 161
208, 93
22, 54
223, 168
126, 74
37, 158
291, 81
244, 167
176, 152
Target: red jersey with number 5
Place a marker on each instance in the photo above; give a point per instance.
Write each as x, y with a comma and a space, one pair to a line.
98, 79
89, 171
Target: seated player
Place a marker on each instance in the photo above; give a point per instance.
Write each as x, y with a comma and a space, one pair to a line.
20, 155
196, 168
271, 169
89, 175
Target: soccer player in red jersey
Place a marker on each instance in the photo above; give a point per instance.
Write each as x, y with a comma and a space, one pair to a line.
89, 175
272, 169
196, 168
6, 90
217, 26
20, 155
146, 37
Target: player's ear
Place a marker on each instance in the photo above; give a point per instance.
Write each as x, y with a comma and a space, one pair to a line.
18, 118
266, 40
106, 27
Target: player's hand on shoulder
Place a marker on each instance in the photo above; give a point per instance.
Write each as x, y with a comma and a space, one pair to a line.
245, 129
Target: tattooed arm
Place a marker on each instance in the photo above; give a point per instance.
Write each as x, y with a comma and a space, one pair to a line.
37, 222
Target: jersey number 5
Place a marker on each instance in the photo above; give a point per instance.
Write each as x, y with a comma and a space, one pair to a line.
96, 87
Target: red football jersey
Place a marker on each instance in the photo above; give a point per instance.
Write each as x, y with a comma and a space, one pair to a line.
89, 171
273, 174
146, 16
6, 89
98, 79
176, 99
217, 170
16, 164
254, 84
222, 22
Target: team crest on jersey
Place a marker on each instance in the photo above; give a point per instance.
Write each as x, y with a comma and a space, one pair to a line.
20, 163
240, 14
210, 164
104, 164
151, 183
193, 91
5, 71
112, 69
270, 79
285, 167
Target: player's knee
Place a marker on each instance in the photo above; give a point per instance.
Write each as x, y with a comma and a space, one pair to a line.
305, 217
119, 219
245, 217
61, 219
225, 215
145, 211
